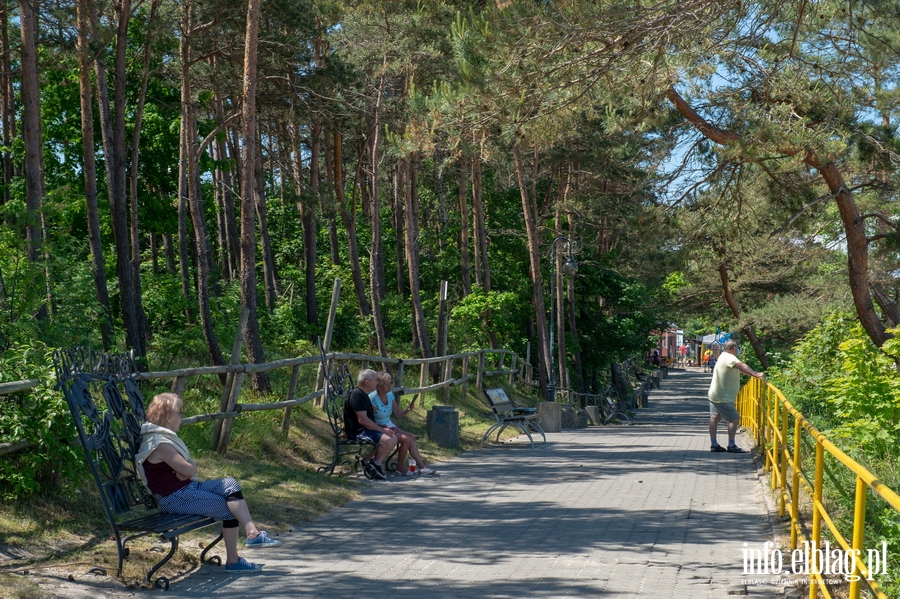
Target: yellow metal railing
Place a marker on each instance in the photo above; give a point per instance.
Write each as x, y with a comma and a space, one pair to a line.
770, 417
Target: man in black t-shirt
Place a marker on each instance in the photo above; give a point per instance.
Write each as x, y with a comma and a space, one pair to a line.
359, 422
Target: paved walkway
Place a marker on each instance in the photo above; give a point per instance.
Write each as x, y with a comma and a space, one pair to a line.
615, 511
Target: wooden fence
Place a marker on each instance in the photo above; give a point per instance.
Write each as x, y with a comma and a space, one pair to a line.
456, 370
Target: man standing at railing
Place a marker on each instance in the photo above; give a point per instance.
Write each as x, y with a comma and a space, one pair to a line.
723, 391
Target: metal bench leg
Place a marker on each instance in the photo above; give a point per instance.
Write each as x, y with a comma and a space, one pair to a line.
488, 433
214, 559
337, 455
162, 581
500, 431
120, 549
537, 428
392, 466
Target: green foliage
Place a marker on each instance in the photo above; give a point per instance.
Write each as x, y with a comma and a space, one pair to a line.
674, 282
469, 317
814, 361
866, 394
848, 388
39, 415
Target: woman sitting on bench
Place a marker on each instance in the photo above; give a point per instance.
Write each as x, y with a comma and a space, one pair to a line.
167, 469
385, 405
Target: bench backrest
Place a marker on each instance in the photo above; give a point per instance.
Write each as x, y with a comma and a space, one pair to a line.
109, 429
499, 401
338, 384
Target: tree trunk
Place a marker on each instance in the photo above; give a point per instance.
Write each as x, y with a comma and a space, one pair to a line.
169, 250
348, 216
376, 253
561, 357
270, 276
398, 213
888, 305
573, 328
309, 223
134, 281
98, 265
482, 264
442, 210
184, 263
7, 103
31, 127
464, 228
249, 191
133, 171
114, 158
154, 253
221, 235
333, 244
411, 195
534, 255
233, 247
190, 164
747, 330
857, 250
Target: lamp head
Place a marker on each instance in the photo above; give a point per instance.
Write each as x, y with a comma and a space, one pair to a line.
570, 267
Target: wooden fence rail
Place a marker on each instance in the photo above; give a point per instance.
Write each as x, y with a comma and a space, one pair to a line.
454, 371
490, 363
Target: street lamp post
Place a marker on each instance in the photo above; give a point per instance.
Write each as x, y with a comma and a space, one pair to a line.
570, 267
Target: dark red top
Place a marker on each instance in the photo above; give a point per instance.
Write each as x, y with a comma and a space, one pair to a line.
162, 480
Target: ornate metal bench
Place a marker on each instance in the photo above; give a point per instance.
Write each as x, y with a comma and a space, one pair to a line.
110, 433
338, 385
508, 414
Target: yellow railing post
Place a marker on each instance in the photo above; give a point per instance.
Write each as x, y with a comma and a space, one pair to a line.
775, 444
761, 416
783, 460
795, 486
770, 437
816, 521
859, 535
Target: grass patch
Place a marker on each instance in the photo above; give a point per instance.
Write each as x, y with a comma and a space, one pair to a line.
68, 531
18, 587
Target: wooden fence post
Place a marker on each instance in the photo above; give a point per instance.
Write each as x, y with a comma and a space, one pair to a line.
228, 422
326, 343
178, 385
229, 378
441, 340
512, 366
528, 373
479, 378
465, 375
292, 388
448, 375
423, 378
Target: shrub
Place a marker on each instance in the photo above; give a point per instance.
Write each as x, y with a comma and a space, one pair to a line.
41, 416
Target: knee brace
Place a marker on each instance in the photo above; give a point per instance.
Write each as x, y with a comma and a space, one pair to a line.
230, 523
234, 496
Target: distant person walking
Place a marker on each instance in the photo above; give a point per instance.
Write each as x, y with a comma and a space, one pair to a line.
723, 391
